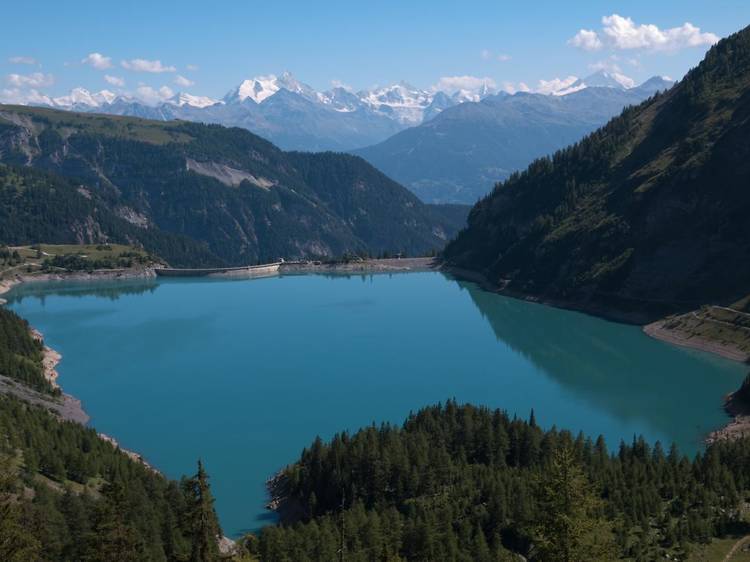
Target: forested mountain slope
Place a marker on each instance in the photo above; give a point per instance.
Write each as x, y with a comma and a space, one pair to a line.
461, 483
644, 216
67, 494
38, 206
226, 190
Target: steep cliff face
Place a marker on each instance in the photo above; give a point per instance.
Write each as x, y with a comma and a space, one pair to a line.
646, 215
235, 193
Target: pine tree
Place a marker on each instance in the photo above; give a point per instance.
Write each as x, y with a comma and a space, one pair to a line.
202, 522
568, 529
113, 537
17, 544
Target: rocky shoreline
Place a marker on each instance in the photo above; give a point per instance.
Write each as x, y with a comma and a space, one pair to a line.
737, 404
67, 407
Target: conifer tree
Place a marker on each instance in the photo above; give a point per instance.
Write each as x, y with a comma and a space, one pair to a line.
202, 523
113, 537
17, 544
568, 529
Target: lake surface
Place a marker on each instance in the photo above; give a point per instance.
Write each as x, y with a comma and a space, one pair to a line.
245, 373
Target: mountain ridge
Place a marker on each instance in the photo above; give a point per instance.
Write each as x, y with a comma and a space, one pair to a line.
288, 112
459, 154
641, 218
231, 192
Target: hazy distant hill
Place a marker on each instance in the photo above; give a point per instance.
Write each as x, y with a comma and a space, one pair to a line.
647, 214
460, 154
227, 191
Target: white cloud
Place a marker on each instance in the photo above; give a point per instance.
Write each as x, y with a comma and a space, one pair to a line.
152, 96
192, 67
143, 65
115, 80
340, 84
22, 60
98, 61
555, 84
486, 54
183, 82
586, 39
609, 65
33, 80
452, 84
623, 33
23, 97
512, 88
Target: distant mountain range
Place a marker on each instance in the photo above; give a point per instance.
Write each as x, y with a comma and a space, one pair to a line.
646, 216
464, 150
294, 116
289, 113
444, 148
199, 194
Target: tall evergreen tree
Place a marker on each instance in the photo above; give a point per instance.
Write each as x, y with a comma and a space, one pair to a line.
568, 529
113, 537
202, 522
17, 544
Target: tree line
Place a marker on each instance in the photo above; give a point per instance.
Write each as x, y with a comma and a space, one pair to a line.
459, 482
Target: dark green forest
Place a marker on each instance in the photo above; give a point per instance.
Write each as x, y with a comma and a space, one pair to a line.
20, 353
455, 482
198, 194
645, 216
65, 494
459, 482
41, 207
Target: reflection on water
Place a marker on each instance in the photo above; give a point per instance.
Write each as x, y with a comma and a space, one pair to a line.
245, 373
106, 289
613, 366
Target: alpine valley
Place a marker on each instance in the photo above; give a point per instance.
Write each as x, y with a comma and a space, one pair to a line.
290, 286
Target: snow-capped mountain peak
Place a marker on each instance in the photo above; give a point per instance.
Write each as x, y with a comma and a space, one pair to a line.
182, 98
605, 79
256, 89
81, 96
261, 88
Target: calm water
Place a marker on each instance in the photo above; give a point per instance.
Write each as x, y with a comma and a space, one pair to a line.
244, 374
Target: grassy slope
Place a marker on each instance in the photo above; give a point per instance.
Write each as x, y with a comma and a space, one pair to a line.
91, 256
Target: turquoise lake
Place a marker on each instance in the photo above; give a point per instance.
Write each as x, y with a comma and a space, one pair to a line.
245, 373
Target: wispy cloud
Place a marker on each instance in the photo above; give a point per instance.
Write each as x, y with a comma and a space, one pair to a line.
98, 61
144, 65
555, 84
33, 80
192, 67
513, 88
453, 84
183, 82
115, 80
486, 54
22, 60
23, 97
622, 33
153, 96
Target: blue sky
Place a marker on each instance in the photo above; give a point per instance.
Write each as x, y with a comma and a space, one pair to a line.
215, 45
